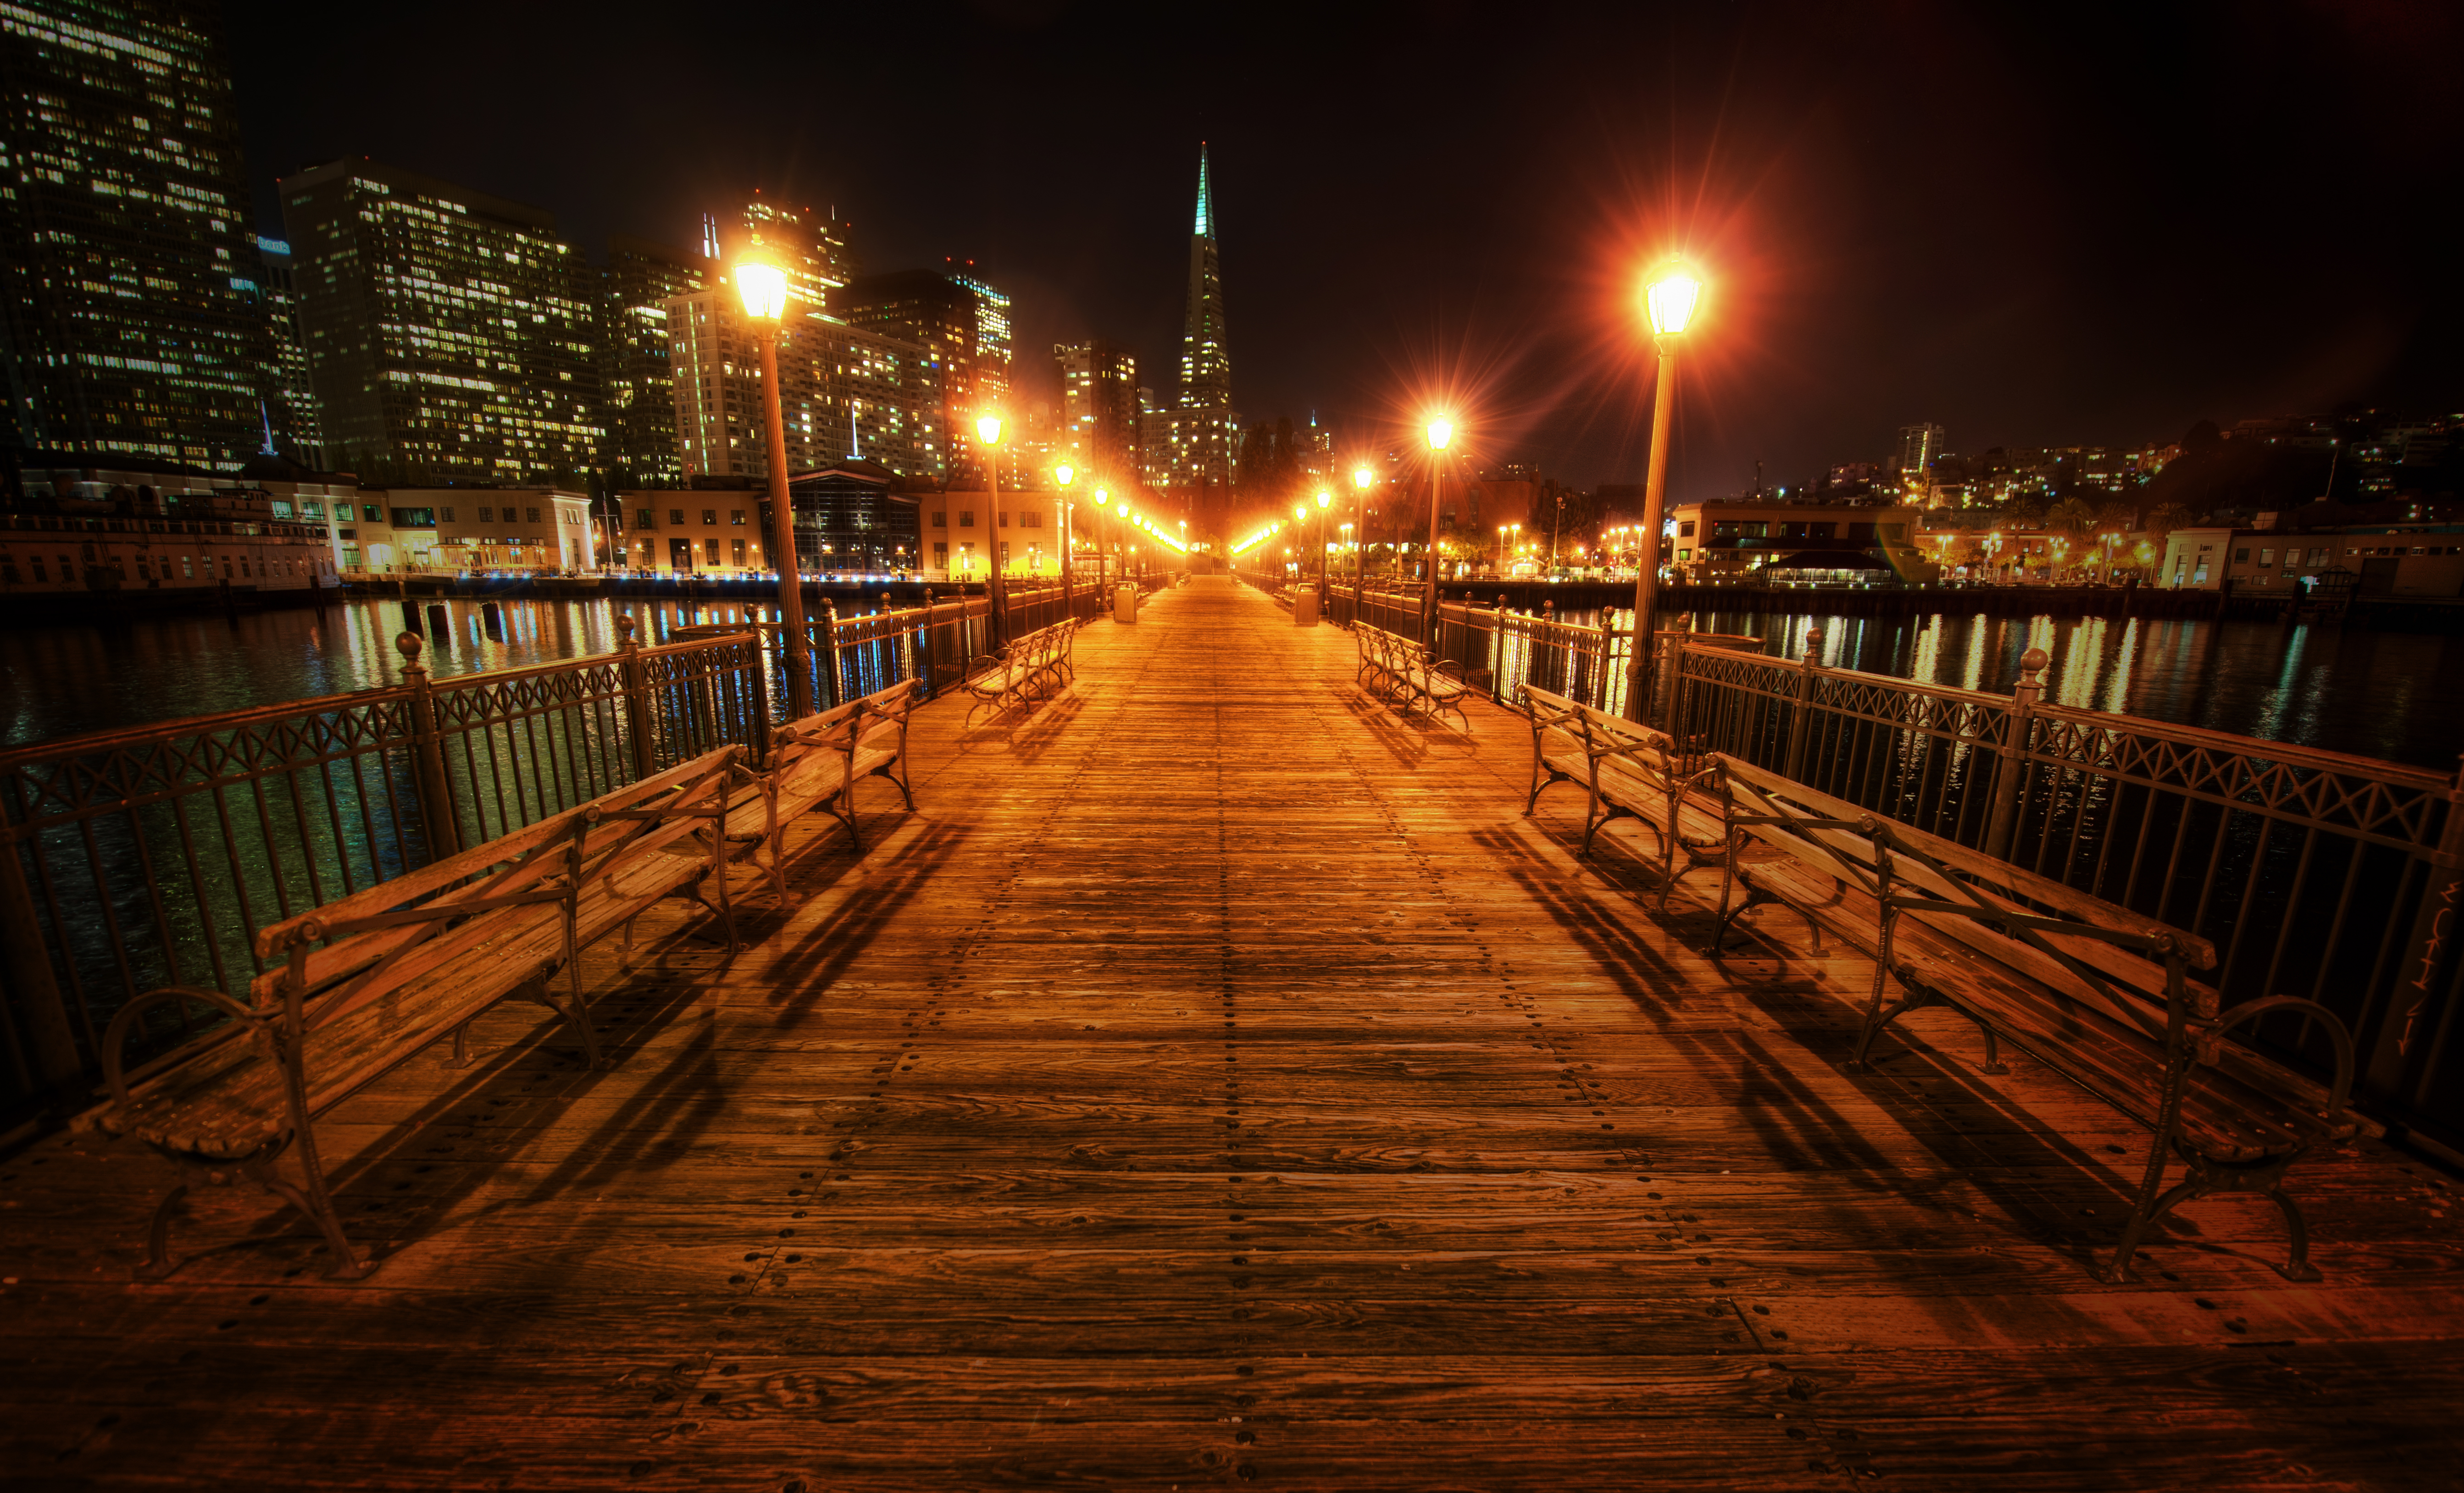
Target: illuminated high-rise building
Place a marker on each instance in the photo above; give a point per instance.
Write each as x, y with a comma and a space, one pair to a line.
1197, 442
1205, 347
844, 392
291, 424
1100, 426
810, 245
965, 322
1921, 446
638, 388
450, 335
129, 316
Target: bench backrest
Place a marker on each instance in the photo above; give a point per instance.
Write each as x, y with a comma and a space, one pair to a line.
2127, 967
351, 951
1610, 742
1390, 652
881, 719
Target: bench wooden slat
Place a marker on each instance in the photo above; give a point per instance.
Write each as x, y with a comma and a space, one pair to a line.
2095, 992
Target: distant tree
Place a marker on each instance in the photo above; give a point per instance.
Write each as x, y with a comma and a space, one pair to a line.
2028, 510
2073, 516
2163, 519
2117, 518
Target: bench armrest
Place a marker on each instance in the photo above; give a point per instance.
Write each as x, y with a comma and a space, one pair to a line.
115, 1039
2342, 1091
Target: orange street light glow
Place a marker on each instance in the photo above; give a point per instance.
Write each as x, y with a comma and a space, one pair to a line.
1669, 298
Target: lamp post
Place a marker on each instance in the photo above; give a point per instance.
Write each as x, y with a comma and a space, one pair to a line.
1442, 430
1362, 477
988, 433
762, 281
1103, 511
1323, 499
1669, 296
1062, 476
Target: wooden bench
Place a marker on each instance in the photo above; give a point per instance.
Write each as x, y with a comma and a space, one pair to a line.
367, 981
816, 763
1630, 771
1398, 670
1023, 671
2094, 991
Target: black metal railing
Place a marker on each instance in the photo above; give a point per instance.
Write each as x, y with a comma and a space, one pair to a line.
2315, 874
149, 857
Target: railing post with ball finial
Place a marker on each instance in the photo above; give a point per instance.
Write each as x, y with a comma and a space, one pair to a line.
1800, 720
637, 698
438, 816
2010, 767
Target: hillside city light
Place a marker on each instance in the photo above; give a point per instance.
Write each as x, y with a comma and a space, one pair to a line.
762, 283
1670, 295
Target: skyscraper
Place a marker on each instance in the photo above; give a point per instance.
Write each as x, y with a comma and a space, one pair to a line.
129, 319
1919, 447
637, 388
813, 247
1099, 407
1205, 351
290, 403
966, 325
1197, 442
844, 392
450, 335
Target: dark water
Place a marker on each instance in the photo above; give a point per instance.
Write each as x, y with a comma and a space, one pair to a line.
2397, 696
2394, 695
55, 681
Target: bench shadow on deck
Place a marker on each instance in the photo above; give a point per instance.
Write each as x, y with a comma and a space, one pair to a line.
1218, 1079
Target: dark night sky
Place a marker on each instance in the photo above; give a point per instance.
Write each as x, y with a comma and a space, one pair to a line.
2034, 224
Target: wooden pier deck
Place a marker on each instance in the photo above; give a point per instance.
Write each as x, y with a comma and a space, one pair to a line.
1217, 1082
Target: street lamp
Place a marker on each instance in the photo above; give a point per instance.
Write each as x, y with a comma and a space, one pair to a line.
762, 281
988, 431
1362, 477
1442, 430
1669, 296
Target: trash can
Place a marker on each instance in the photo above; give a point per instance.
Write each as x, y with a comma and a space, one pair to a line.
1125, 603
1305, 608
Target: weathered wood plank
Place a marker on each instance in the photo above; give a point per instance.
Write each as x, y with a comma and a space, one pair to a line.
1210, 936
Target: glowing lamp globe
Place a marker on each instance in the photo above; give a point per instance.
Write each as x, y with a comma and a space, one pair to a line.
762, 281
1441, 432
988, 430
1064, 472
1102, 497
1363, 477
1669, 298
1323, 499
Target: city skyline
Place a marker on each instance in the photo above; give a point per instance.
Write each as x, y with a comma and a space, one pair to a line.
1908, 217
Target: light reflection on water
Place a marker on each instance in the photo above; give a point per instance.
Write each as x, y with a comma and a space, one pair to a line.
2395, 695
2387, 694
77, 677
